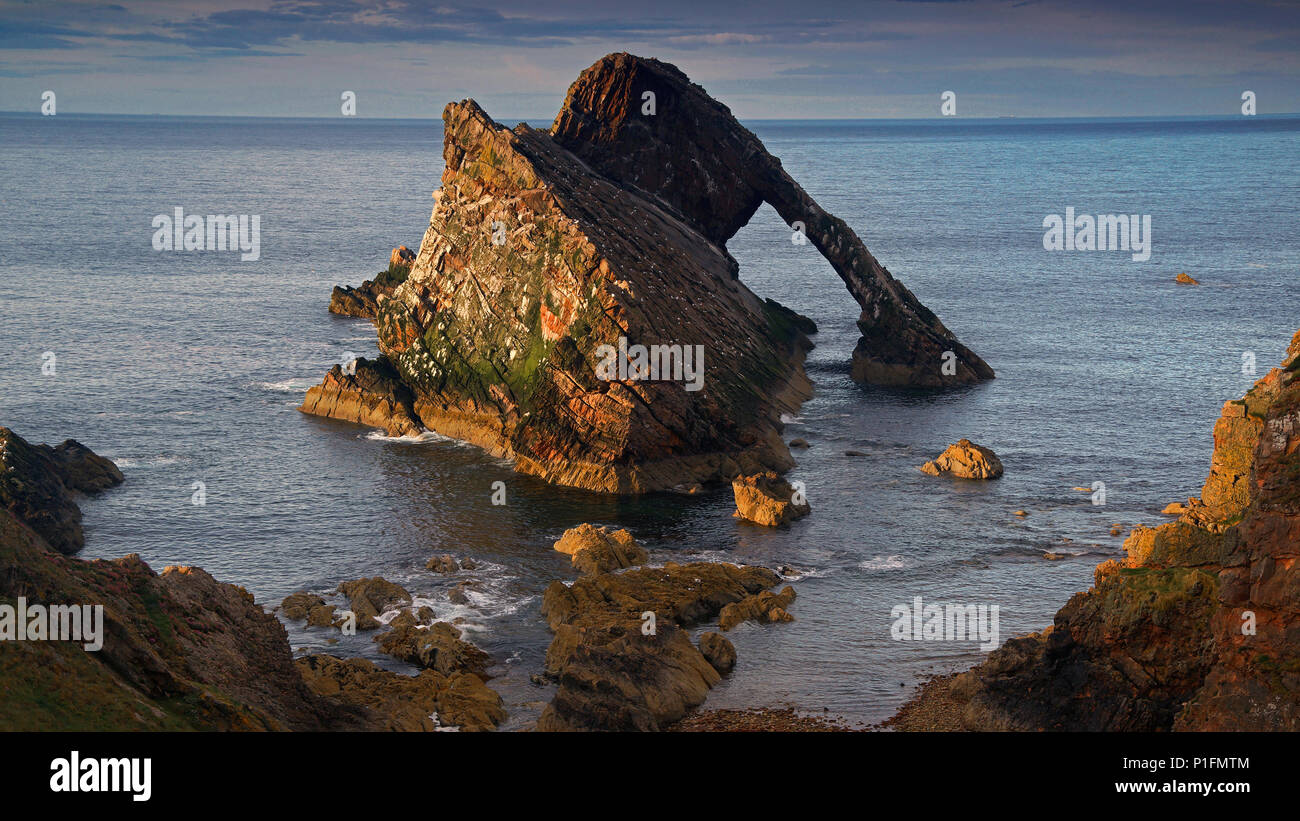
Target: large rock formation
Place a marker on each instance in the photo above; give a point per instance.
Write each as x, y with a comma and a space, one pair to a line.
1199, 627
693, 155
363, 300
550, 256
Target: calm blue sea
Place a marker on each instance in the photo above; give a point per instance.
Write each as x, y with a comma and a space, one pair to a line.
187, 367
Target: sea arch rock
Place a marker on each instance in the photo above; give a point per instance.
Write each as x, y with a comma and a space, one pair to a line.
694, 156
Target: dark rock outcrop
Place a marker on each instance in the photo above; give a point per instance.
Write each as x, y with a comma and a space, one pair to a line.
694, 156
363, 300
1199, 627
550, 255
37, 483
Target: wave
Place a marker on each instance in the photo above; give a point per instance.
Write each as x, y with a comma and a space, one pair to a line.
887, 563
417, 439
293, 385
144, 462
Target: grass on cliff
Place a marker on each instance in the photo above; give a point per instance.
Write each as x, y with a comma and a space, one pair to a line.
394, 275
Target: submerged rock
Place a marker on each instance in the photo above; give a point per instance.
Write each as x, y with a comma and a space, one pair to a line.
598, 549
965, 460
446, 563
436, 646
767, 499
1194, 629
37, 483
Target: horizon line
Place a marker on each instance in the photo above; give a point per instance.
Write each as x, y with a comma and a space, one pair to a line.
940, 118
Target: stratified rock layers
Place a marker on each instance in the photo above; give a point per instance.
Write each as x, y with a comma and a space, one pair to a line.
531, 262
544, 247
1199, 628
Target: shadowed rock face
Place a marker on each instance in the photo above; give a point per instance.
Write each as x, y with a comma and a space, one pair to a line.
37, 483
548, 250
693, 156
1199, 628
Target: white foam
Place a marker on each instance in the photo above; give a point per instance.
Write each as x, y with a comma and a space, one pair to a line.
294, 385
887, 563
417, 439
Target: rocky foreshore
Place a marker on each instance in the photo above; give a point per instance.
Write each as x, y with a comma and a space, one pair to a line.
180, 650
1196, 629
547, 250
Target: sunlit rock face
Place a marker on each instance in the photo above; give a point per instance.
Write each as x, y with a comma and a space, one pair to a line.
1199, 627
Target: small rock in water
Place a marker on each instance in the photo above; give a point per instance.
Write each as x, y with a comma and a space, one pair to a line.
599, 549
1184, 279
799, 443
445, 563
854, 453
767, 499
458, 593
719, 652
965, 460
1021, 513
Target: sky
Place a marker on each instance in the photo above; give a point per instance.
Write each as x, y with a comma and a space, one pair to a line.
787, 59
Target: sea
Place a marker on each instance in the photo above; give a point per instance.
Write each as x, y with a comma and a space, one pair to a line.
186, 368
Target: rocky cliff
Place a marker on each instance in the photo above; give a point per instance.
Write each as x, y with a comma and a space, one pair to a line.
548, 250
1199, 627
180, 650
